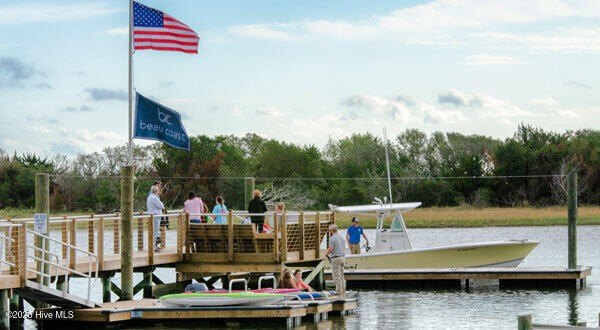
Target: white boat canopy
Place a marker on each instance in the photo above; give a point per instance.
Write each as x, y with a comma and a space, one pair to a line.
375, 209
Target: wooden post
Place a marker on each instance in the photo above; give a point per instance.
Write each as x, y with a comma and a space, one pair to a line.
572, 215
301, 228
16, 305
42, 205
230, 236
277, 235
106, 284
73, 241
284, 237
524, 322
180, 234
116, 236
127, 189
151, 242
4, 309
100, 248
140, 234
188, 241
91, 236
249, 183
147, 284
22, 254
318, 232
64, 235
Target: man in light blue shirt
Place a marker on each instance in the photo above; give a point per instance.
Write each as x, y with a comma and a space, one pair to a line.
337, 258
155, 207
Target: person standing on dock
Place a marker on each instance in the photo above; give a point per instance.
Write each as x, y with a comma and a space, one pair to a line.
220, 210
353, 235
155, 207
337, 259
194, 207
257, 205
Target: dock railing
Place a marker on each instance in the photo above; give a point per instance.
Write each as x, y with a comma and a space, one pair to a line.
286, 237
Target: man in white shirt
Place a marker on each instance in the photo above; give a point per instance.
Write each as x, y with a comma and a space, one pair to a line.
155, 207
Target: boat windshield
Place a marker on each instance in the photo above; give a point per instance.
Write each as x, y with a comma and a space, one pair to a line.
397, 224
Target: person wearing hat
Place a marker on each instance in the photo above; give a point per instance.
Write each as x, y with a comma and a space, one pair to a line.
353, 235
337, 259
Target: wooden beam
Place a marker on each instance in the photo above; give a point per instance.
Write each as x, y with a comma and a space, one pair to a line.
284, 238
151, 242
127, 193
115, 289
100, 243
315, 272
90, 233
277, 235
140, 234
301, 228
73, 241
230, 236
318, 233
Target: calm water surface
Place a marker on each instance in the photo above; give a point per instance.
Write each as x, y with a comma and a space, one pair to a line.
482, 307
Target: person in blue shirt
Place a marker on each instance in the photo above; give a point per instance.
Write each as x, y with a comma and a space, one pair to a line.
353, 234
220, 210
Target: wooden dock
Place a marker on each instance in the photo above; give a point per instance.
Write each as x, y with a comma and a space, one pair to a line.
145, 311
457, 278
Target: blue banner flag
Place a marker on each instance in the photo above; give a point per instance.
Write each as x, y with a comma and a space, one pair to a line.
154, 121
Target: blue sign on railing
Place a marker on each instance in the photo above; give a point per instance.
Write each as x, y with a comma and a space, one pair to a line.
154, 121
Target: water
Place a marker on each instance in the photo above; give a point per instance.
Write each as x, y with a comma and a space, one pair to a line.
482, 307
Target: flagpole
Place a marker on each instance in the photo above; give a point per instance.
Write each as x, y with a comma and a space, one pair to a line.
130, 132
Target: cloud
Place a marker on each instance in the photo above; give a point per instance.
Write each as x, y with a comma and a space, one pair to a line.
262, 31
52, 12
578, 84
237, 111
456, 98
545, 101
270, 112
14, 71
45, 120
401, 110
484, 59
486, 106
102, 94
83, 108
76, 141
448, 22
43, 86
118, 31
568, 114
167, 83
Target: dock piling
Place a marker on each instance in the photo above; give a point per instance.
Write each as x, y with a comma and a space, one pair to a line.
127, 189
524, 322
4, 309
572, 216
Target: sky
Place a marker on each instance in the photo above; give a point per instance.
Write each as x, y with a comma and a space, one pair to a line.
300, 71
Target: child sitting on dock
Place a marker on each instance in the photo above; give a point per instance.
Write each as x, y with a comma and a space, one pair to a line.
299, 282
287, 281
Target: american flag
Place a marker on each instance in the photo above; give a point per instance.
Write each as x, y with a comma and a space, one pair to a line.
153, 29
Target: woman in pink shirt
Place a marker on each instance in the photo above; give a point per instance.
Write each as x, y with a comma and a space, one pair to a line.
194, 207
299, 283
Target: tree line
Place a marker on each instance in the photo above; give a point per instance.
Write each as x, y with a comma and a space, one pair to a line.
439, 169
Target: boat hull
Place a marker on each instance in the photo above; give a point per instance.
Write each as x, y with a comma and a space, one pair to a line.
493, 254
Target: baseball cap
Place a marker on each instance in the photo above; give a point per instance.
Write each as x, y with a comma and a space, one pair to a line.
354, 219
333, 226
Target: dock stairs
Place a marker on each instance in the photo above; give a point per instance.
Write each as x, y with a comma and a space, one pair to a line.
46, 262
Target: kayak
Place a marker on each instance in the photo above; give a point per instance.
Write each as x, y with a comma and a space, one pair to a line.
264, 290
220, 299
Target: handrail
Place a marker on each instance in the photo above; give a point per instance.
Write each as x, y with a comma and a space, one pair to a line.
236, 281
5, 243
266, 277
92, 269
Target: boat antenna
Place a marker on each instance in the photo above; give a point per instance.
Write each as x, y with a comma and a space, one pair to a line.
387, 163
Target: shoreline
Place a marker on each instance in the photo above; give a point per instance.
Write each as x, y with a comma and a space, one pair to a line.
441, 217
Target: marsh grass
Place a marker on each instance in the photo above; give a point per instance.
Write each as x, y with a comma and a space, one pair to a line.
441, 217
